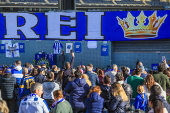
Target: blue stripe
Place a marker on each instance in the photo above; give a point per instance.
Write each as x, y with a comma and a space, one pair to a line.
46, 105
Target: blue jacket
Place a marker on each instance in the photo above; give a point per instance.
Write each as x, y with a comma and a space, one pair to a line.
78, 90
94, 103
93, 78
141, 102
39, 78
25, 85
106, 92
116, 105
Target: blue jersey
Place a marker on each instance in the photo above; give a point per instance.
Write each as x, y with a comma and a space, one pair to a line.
25, 85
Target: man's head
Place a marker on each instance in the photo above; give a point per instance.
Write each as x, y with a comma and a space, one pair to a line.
119, 77
107, 79
88, 68
43, 65
50, 75
37, 88
78, 74
114, 67
41, 71
18, 63
67, 65
25, 71
27, 65
155, 90
54, 67
161, 67
90, 65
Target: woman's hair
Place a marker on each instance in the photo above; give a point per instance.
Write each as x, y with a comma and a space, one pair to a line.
59, 76
157, 103
100, 72
94, 89
32, 72
138, 71
107, 79
58, 94
149, 81
140, 89
119, 91
119, 76
3, 107
86, 77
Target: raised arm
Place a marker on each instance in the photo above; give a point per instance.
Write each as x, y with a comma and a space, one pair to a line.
72, 60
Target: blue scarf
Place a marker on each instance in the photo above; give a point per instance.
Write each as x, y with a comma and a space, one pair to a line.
57, 102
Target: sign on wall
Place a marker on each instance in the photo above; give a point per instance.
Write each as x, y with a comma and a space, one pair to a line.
104, 50
77, 47
108, 26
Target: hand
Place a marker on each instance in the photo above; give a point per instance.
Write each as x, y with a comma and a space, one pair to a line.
72, 54
164, 61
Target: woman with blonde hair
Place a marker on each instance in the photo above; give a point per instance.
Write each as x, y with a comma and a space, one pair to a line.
3, 107
119, 99
94, 102
60, 105
87, 79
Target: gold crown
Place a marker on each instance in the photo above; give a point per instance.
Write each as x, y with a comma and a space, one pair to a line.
140, 30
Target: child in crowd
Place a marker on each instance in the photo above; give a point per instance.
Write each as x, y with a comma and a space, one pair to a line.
141, 101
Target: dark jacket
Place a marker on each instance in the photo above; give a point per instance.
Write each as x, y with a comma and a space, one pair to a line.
94, 103
166, 105
163, 80
93, 78
106, 92
128, 90
78, 90
7, 87
67, 73
39, 78
116, 105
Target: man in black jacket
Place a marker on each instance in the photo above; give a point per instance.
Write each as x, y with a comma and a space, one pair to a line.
7, 88
40, 77
126, 87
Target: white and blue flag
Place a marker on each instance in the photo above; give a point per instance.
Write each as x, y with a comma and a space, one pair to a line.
57, 48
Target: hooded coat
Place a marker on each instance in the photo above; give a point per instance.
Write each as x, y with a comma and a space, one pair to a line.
78, 90
17, 73
94, 103
106, 92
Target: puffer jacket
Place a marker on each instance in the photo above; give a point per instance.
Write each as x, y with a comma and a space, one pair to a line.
106, 92
78, 90
94, 103
116, 105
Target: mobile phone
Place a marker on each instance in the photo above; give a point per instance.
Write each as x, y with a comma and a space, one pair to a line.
163, 58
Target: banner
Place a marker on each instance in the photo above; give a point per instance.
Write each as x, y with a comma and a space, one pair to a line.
77, 47
12, 50
104, 50
2, 48
21, 47
78, 26
69, 47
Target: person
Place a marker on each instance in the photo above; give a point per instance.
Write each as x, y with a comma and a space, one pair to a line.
94, 102
4, 107
125, 72
7, 83
40, 78
55, 70
162, 79
134, 81
156, 90
106, 88
78, 90
17, 72
127, 88
59, 79
87, 79
155, 102
141, 100
68, 71
148, 83
100, 76
34, 72
60, 105
49, 87
119, 99
92, 76
33, 103
112, 73
28, 65
26, 82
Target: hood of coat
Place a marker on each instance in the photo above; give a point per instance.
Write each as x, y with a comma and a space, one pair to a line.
105, 88
18, 68
94, 97
80, 82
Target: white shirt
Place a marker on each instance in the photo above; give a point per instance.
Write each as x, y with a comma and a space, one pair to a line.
33, 104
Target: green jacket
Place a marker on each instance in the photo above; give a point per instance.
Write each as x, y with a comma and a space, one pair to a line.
162, 80
134, 81
62, 107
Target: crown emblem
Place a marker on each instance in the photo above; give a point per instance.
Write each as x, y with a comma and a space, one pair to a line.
140, 30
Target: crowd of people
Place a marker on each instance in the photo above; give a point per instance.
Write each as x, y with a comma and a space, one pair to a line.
36, 89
